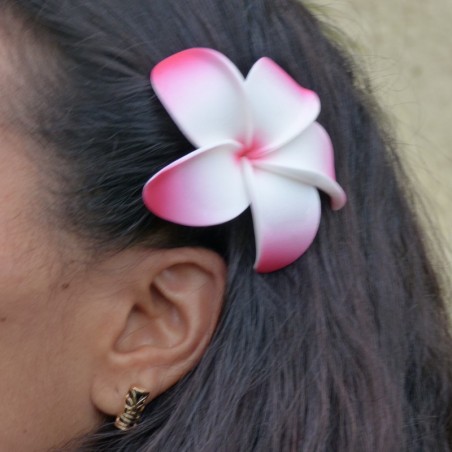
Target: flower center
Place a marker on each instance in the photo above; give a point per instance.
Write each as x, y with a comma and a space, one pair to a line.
251, 152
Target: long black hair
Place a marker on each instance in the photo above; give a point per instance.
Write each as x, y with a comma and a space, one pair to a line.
345, 350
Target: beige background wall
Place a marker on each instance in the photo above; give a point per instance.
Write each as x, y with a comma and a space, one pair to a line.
406, 47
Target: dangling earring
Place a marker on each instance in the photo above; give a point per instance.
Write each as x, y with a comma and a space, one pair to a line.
134, 407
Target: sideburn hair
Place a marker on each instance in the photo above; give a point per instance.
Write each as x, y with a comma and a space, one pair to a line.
347, 349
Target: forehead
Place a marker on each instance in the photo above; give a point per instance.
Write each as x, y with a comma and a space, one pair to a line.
27, 230
27, 68
12, 80
18, 183
18, 175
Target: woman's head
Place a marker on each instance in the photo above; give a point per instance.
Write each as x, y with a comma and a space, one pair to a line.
334, 351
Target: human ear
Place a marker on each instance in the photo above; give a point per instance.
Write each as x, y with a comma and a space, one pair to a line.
164, 319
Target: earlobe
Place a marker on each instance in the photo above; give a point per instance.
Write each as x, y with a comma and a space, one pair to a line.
175, 301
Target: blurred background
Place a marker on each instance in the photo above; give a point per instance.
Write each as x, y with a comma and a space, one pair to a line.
405, 46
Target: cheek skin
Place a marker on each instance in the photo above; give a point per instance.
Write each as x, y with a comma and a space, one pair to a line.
44, 367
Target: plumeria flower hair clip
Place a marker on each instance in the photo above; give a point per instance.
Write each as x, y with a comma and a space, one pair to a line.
257, 144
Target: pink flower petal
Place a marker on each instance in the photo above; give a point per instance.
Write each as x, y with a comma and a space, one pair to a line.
308, 158
286, 216
281, 108
204, 94
203, 188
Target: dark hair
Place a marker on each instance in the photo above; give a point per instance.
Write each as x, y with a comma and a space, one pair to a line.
348, 348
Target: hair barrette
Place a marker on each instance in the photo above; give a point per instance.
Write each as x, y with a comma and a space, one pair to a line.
257, 144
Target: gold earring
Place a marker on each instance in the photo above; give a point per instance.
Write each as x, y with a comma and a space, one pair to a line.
135, 403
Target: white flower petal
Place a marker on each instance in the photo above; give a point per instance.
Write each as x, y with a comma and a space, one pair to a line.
308, 158
204, 94
203, 188
281, 108
286, 216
